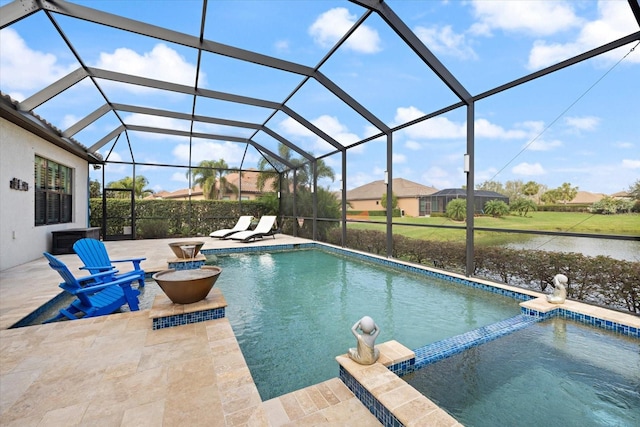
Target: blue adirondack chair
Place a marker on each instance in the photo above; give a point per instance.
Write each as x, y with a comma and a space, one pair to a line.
95, 257
105, 297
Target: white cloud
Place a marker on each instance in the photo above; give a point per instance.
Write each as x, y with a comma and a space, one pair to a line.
532, 17
398, 158
528, 169
437, 127
485, 129
360, 178
370, 130
282, 46
328, 124
437, 177
413, 145
332, 126
292, 127
582, 123
18, 71
69, 120
334, 23
630, 164
111, 168
443, 128
543, 145
483, 175
161, 63
443, 40
623, 145
231, 152
615, 21
180, 177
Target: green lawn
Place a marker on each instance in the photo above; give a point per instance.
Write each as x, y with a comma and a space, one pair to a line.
627, 224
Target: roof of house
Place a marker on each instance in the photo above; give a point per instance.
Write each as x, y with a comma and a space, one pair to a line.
621, 194
461, 192
401, 188
587, 197
249, 185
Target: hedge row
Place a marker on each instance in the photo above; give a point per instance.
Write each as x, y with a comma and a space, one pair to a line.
597, 280
173, 218
395, 213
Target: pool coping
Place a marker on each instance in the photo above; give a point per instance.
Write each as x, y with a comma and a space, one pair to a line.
389, 398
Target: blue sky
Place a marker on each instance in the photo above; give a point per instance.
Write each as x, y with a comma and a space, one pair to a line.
579, 125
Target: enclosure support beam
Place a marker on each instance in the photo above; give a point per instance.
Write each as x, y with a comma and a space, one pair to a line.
294, 202
17, 10
388, 177
343, 201
469, 169
314, 189
280, 209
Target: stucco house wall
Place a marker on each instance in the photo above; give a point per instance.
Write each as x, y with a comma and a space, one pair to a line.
20, 240
409, 205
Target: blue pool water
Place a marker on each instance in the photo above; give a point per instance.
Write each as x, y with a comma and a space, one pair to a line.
292, 312
557, 372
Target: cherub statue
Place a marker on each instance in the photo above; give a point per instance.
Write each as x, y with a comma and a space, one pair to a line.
559, 294
366, 353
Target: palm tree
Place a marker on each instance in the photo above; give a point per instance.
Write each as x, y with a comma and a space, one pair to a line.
566, 192
139, 189
210, 175
304, 174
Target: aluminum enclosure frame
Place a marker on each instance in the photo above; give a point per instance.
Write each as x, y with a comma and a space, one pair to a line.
21, 113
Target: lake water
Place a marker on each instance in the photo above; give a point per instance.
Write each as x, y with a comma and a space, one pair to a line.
619, 249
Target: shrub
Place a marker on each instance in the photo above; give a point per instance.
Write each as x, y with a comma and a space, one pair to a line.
457, 209
597, 280
152, 228
496, 208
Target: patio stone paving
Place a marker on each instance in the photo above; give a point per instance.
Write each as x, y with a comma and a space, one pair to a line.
116, 371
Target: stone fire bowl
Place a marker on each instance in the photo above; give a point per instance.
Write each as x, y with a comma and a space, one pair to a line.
176, 247
187, 286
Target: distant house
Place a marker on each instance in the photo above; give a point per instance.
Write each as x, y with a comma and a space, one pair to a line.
248, 187
439, 200
585, 197
368, 197
622, 195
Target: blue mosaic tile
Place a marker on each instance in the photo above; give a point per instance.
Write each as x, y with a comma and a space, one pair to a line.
186, 265
188, 318
422, 271
374, 406
583, 318
442, 349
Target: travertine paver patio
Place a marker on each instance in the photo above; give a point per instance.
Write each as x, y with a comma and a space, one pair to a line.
115, 370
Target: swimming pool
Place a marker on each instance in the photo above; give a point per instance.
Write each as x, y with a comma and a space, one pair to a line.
556, 372
292, 311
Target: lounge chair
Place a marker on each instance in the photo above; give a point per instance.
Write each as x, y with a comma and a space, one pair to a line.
105, 295
242, 225
264, 228
96, 259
